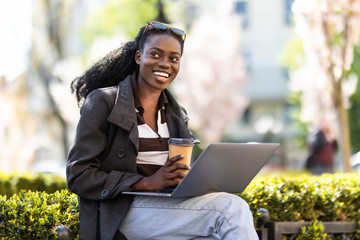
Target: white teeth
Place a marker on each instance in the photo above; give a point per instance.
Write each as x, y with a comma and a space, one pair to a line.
162, 74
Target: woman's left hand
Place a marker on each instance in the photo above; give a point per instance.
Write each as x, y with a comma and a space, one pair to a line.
164, 177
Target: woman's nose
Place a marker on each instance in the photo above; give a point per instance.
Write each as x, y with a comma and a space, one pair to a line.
165, 63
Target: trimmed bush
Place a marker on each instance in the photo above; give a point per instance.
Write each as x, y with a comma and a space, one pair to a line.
315, 230
334, 197
34, 215
14, 182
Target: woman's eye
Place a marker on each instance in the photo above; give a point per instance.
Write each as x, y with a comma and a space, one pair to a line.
174, 59
154, 55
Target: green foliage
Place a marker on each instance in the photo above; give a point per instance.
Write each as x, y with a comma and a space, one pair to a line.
354, 111
14, 182
119, 16
338, 39
306, 198
357, 233
291, 197
315, 231
293, 55
302, 197
302, 129
34, 215
292, 58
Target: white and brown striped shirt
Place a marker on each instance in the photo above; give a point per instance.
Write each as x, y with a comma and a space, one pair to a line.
153, 146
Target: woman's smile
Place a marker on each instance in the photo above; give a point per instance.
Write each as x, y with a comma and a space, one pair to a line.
161, 76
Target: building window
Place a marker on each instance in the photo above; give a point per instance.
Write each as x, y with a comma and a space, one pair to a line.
241, 8
288, 12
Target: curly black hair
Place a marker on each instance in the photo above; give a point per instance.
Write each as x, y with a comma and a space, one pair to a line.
116, 65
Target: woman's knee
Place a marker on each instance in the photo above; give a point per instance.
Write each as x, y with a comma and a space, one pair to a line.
230, 202
236, 213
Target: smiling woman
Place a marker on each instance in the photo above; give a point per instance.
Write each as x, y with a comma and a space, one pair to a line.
121, 144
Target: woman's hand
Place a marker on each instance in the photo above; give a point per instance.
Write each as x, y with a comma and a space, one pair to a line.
164, 177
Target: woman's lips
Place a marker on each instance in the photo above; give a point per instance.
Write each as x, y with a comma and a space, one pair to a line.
161, 76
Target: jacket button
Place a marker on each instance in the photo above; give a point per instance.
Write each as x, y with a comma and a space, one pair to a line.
104, 193
121, 153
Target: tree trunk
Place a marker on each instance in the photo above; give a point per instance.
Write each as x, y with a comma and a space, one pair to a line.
342, 119
161, 17
337, 98
344, 135
50, 19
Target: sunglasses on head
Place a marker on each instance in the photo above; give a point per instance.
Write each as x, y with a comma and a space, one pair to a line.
163, 26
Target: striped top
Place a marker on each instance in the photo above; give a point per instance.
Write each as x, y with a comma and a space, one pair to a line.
153, 146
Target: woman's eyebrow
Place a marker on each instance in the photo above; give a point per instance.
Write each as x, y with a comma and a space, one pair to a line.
160, 50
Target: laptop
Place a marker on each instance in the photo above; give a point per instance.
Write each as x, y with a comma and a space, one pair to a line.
221, 167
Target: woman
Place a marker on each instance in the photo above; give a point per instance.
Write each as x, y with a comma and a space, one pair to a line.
127, 116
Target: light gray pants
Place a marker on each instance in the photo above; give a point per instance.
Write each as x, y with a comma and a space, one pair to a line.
212, 216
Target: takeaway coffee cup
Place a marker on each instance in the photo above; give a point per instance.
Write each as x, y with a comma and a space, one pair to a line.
181, 146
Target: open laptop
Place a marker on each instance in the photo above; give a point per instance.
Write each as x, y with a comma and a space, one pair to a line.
221, 167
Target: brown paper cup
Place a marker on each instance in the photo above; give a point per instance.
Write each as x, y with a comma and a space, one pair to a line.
181, 146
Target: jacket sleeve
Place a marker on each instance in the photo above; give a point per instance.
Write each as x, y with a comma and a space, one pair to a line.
84, 174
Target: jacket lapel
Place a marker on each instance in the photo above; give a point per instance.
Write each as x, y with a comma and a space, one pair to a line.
123, 113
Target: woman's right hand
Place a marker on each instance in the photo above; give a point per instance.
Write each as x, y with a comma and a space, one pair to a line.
164, 177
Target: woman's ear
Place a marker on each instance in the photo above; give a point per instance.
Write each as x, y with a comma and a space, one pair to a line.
137, 57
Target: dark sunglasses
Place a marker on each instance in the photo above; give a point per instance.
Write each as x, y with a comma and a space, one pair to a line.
163, 26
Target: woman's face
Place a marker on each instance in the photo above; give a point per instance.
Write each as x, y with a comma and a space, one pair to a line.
159, 61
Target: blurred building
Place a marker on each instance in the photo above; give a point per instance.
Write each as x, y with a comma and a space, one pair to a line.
266, 27
31, 136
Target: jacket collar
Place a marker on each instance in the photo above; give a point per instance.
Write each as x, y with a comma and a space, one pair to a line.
123, 113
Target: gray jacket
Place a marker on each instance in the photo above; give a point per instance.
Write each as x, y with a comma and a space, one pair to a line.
102, 161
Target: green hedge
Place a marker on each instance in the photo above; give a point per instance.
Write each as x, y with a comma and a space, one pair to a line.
34, 215
14, 182
334, 197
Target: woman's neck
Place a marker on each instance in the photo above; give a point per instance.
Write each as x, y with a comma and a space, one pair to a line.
149, 101
149, 97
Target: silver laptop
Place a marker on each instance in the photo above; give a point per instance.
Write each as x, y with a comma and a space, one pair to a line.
221, 167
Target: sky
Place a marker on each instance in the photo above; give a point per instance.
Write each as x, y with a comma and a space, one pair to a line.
15, 37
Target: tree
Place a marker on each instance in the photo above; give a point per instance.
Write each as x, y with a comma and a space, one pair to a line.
50, 20
329, 30
122, 16
117, 21
212, 73
354, 111
293, 58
